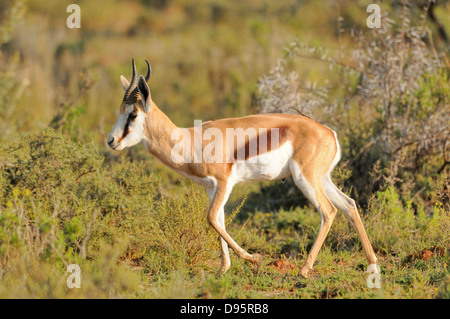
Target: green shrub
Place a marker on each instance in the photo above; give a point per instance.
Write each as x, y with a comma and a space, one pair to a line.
398, 229
181, 236
59, 204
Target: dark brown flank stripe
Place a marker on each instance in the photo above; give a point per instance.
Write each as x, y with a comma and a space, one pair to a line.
282, 135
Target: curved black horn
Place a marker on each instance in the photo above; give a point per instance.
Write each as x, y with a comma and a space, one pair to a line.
133, 81
149, 71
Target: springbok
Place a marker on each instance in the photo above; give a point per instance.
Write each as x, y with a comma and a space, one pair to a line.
304, 149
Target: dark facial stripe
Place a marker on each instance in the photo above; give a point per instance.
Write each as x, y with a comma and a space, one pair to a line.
126, 129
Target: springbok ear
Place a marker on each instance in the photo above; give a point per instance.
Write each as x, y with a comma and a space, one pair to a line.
144, 92
124, 82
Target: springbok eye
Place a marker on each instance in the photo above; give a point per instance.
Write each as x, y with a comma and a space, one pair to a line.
132, 116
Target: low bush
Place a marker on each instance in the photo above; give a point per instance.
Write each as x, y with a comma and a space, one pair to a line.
60, 204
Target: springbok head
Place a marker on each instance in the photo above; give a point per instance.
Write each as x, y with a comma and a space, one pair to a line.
136, 104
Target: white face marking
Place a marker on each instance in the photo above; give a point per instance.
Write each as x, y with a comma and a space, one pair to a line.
127, 131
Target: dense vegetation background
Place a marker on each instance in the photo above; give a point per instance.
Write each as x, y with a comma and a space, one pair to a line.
139, 230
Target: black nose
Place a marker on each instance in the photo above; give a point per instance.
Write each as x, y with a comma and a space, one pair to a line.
111, 141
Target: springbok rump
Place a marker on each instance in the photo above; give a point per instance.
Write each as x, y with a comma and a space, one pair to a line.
219, 154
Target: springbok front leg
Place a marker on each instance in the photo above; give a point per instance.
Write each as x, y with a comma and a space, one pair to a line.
226, 262
216, 208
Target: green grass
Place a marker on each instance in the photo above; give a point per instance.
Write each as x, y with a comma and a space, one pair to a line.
139, 230
131, 240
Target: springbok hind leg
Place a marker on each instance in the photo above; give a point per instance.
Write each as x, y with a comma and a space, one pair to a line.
316, 195
328, 212
348, 206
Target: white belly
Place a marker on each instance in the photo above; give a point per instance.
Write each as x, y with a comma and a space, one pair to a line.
269, 166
